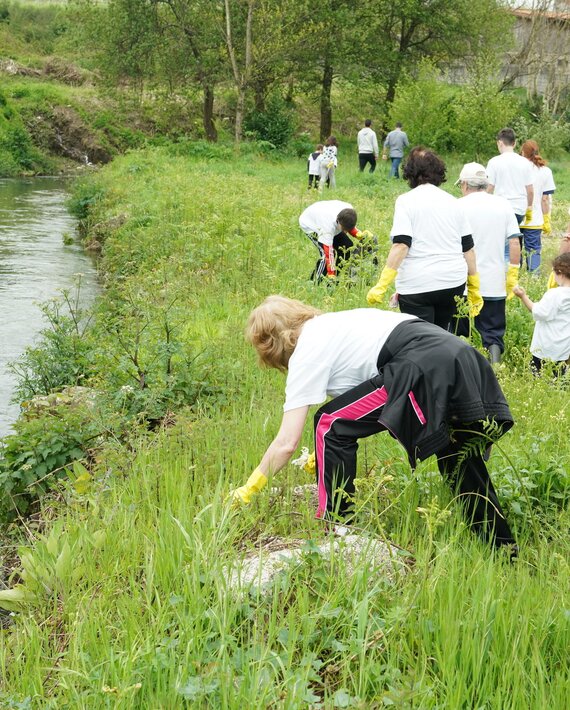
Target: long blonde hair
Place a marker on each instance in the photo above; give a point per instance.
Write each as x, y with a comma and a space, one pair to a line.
273, 329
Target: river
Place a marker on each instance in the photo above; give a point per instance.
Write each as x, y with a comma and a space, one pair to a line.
35, 265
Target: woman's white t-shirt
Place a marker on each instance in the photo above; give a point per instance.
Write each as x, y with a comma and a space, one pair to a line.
551, 337
436, 223
335, 352
543, 182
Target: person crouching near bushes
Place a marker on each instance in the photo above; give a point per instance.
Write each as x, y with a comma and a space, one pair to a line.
551, 337
385, 371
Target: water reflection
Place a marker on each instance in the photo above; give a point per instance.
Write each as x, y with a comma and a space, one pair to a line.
34, 266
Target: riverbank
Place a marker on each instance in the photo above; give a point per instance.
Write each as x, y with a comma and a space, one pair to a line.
125, 602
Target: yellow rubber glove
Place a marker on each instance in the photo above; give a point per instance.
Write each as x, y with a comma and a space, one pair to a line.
474, 297
310, 466
551, 281
376, 293
528, 216
329, 165
547, 225
365, 234
255, 483
512, 279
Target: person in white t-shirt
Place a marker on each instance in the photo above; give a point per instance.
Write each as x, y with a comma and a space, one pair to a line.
368, 150
432, 255
330, 225
386, 371
551, 337
510, 176
544, 188
493, 226
314, 166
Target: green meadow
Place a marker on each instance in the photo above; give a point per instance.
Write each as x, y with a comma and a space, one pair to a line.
123, 596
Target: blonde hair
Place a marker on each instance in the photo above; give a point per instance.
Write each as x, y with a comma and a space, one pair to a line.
273, 329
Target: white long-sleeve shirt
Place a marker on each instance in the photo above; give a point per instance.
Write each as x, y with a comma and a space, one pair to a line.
367, 141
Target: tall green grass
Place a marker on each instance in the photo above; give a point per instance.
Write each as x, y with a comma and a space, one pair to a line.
142, 616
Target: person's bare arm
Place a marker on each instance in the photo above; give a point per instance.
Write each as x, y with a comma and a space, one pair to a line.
396, 256
521, 293
286, 442
529, 195
490, 189
514, 251
546, 204
471, 260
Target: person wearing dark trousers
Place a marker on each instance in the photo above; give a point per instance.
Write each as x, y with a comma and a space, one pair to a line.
494, 227
385, 371
330, 225
368, 150
432, 255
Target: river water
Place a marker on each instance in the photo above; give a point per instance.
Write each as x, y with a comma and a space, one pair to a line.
34, 266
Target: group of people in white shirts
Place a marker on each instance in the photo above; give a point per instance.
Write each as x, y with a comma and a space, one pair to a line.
442, 246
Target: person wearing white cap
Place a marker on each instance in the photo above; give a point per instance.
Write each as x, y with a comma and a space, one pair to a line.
494, 227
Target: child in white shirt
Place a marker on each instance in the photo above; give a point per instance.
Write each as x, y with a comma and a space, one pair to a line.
329, 162
314, 166
551, 337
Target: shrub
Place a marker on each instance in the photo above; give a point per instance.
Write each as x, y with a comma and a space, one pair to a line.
274, 124
35, 455
423, 106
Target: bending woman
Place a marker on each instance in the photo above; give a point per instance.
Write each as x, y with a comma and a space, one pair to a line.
386, 372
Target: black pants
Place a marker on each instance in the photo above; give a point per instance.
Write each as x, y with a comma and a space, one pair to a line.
354, 415
314, 181
490, 324
364, 159
437, 307
560, 367
342, 244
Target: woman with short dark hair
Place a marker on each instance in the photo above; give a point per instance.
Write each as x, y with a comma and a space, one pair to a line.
432, 255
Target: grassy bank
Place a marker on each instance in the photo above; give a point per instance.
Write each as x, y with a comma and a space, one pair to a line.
128, 603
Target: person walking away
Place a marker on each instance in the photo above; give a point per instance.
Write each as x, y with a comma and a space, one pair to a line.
432, 252
368, 150
510, 176
394, 145
551, 336
330, 225
544, 187
329, 163
493, 226
314, 166
386, 371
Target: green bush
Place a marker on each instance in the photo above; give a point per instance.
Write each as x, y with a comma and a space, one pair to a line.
423, 105
62, 356
274, 124
34, 456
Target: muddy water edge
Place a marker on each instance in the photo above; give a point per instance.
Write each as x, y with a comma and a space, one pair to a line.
39, 257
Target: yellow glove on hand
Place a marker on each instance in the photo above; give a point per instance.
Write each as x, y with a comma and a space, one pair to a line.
528, 216
329, 165
474, 295
512, 279
255, 483
376, 293
310, 467
547, 225
365, 234
551, 281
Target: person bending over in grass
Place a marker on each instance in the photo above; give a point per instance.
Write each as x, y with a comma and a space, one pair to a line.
385, 371
331, 227
551, 337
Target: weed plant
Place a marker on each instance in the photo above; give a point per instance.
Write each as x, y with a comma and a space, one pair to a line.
145, 616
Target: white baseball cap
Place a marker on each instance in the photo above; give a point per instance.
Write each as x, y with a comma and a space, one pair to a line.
472, 171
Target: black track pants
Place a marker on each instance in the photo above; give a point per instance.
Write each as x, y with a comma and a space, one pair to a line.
462, 465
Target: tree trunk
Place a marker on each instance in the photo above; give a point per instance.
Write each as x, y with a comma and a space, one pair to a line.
208, 114
240, 108
326, 108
